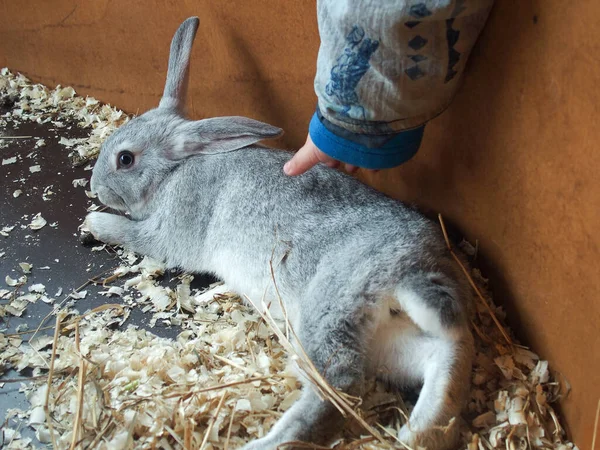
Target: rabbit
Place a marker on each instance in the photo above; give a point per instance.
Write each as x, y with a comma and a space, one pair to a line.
367, 282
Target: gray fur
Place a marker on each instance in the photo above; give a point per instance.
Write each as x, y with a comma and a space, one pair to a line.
367, 282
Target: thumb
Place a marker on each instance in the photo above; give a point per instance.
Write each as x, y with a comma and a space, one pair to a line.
305, 158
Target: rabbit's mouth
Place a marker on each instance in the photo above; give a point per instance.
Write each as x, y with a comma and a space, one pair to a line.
111, 199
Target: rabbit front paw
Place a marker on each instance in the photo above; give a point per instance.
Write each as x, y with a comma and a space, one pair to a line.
105, 227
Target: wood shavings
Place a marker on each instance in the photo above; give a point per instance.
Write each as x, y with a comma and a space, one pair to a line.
46, 299
78, 295
22, 327
80, 182
11, 281
25, 267
13, 437
16, 307
114, 290
178, 380
39, 288
485, 420
31, 298
207, 296
37, 103
38, 222
5, 230
70, 142
47, 193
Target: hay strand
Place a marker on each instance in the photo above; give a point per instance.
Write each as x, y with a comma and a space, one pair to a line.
59, 318
596, 425
80, 388
473, 285
213, 420
226, 446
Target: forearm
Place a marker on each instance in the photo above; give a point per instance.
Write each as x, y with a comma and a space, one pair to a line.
390, 66
387, 67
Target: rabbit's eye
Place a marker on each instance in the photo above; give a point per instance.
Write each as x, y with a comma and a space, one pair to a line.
125, 159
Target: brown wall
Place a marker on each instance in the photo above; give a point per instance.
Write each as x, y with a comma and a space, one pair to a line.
513, 162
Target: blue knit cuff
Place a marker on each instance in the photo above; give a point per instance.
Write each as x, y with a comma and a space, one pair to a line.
397, 150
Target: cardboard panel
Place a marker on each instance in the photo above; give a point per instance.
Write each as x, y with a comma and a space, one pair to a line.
512, 163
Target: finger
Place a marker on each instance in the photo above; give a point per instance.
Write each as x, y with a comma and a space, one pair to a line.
305, 158
350, 168
333, 163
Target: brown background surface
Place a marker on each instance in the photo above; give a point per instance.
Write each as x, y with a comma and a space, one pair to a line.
513, 162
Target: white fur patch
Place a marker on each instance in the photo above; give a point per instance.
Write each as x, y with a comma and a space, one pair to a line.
426, 318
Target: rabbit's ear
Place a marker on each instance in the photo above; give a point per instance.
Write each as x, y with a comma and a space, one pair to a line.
220, 135
179, 64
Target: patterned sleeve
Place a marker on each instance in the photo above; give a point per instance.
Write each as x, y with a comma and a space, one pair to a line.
384, 69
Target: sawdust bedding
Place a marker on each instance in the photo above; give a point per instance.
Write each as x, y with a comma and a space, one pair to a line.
226, 379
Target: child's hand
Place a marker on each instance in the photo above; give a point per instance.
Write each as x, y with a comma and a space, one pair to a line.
308, 156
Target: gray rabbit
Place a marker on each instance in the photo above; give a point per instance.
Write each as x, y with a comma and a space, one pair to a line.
367, 282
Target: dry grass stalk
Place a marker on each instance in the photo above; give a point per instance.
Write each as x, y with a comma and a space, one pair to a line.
212, 422
596, 425
80, 387
101, 434
22, 333
59, 318
473, 285
226, 446
220, 386
174, 435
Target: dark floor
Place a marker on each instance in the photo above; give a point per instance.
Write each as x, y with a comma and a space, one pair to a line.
69, 263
